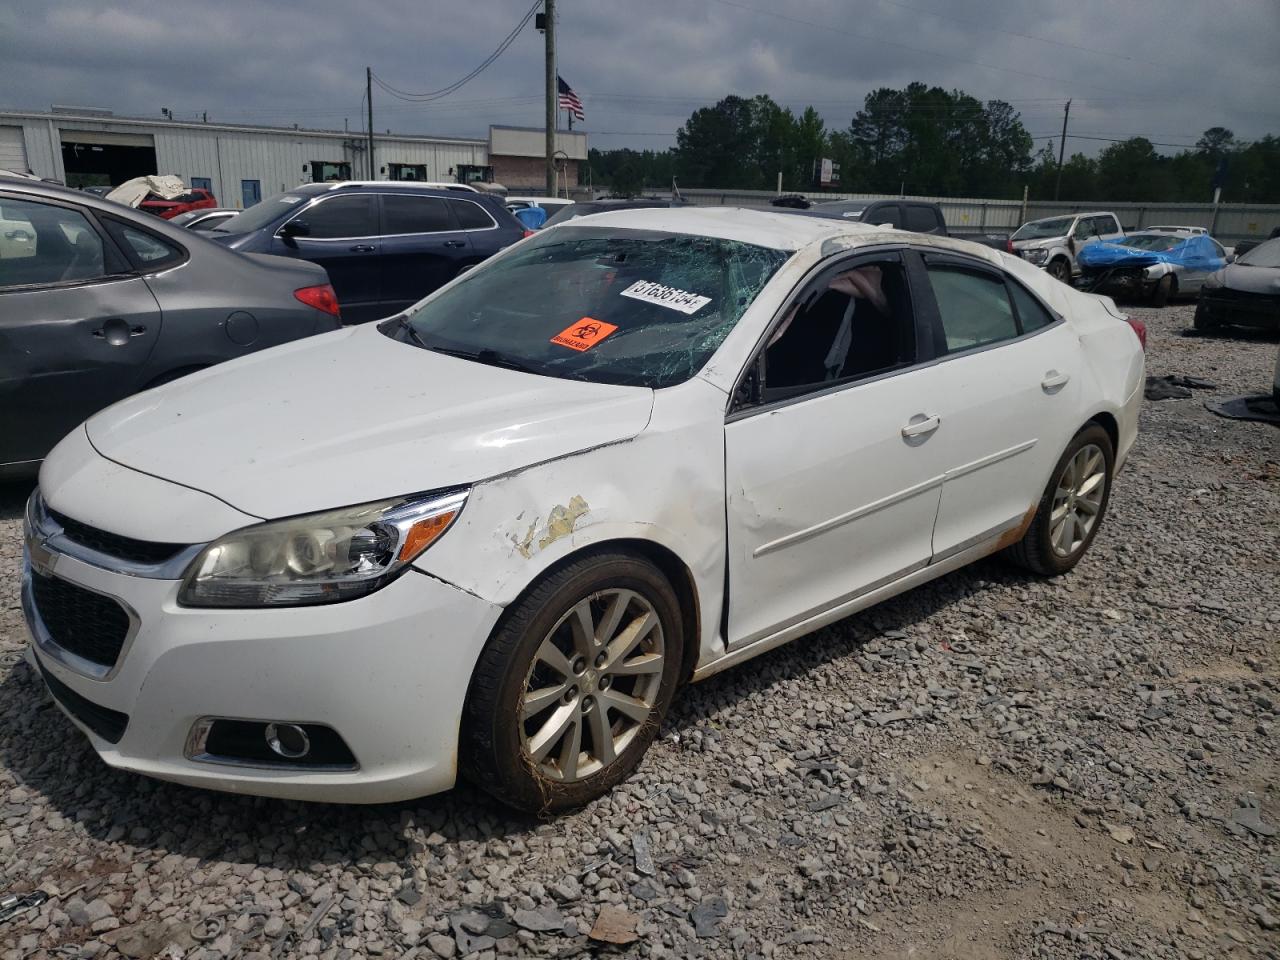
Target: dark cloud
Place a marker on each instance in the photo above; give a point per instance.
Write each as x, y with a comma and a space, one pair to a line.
1166, 69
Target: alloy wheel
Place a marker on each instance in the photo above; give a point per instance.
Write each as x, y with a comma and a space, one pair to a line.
593, 684
1077, 500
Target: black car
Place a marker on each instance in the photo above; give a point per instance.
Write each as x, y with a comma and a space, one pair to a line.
385, 244
98, 302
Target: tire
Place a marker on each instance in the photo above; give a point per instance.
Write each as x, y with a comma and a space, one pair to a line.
530, 763
1164, 289
1037, 551
1060, 269
1202, 322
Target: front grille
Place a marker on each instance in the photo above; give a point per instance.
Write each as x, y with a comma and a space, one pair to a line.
106, 723
80, 621
114, 545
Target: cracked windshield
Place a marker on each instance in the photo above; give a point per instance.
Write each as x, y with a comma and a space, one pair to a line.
626, 307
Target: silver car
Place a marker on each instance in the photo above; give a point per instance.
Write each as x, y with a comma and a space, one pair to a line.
98, 302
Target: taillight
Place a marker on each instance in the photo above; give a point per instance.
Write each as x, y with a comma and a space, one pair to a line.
321, 297
527, 233
1008, 245
1140, 329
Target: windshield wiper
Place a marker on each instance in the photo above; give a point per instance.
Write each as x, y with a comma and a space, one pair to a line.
404, 324
488, 357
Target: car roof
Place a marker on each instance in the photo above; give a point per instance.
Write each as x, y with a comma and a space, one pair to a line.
766, 228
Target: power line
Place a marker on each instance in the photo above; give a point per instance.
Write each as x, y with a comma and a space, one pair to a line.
445, 91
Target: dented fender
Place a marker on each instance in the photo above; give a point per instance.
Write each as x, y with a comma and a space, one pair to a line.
664, 487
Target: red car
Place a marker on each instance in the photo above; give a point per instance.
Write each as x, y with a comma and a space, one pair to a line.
196, 199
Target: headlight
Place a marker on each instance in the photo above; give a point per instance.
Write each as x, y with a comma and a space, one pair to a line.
1035, 255
318, 558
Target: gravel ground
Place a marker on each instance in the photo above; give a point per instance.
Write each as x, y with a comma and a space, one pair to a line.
988, 767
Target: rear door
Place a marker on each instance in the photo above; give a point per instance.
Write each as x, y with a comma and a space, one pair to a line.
77, 324
422, 248
342, 236
1007, 390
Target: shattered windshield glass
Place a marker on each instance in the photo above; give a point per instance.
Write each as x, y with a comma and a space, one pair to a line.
608, 305
1044, 229
1152, 241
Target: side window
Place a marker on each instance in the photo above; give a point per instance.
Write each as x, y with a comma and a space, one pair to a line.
859, 324
889, 213
148, 248
471, 216
921, 219
1031, 313
402, 214
355, 215
974, 308
1108, 225
42, 243
1084, 229
1218, 249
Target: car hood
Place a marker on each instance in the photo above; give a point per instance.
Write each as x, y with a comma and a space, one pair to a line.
1044, 244
1241, 276
355, 416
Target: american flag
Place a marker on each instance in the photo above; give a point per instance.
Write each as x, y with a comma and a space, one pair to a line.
569, 100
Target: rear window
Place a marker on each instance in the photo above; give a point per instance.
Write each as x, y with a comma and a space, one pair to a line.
641, 308
405, 214
921, 219
471, 216
265, 213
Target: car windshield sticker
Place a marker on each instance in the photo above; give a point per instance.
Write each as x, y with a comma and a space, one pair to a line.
673, 298
584, 334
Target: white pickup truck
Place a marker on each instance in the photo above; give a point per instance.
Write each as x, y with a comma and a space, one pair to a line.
1052, 243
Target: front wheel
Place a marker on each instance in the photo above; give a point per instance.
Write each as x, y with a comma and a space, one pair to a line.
1060, 269
1201, 321
1072, 507
574, 683
1163, 291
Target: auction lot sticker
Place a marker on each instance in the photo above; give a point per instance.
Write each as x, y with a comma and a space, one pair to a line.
673, 298
584, 334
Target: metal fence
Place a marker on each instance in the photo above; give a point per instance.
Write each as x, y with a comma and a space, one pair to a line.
1234, 221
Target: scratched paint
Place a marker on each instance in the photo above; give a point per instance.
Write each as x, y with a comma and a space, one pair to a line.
559, 523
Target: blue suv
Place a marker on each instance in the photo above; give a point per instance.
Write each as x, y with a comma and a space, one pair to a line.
386, 245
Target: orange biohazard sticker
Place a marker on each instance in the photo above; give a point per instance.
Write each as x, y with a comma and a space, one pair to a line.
584, 334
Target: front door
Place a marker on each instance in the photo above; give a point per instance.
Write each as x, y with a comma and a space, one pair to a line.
76, 327
832, 473
342, 236
1007, 394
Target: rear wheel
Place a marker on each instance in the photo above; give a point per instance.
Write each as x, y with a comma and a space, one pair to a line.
1072, 507
573, 685
1165, 288
1060, 269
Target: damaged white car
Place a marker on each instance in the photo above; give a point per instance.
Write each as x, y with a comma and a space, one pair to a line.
493, 536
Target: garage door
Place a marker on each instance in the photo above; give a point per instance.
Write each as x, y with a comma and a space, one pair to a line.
13, 152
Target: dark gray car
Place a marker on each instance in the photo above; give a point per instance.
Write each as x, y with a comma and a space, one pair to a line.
98, 302
1245, 293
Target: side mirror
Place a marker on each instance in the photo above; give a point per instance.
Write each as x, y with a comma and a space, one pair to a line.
1230, 258
295, 228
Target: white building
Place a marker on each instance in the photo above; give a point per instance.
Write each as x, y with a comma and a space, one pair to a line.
242, 163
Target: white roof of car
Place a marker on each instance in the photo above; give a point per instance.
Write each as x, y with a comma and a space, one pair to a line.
781, 231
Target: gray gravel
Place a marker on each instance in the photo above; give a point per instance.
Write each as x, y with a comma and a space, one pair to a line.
988, 767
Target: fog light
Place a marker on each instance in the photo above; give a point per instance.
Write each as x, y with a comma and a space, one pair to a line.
288, 740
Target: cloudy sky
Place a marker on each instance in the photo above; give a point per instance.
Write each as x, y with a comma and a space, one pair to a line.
1165, 69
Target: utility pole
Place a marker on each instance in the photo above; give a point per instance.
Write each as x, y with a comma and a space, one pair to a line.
368, 93
553, 96
1062, 149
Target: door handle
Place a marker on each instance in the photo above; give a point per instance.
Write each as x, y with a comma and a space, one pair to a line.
363, 248
116, 332
919, 428
455, 243
1053, 380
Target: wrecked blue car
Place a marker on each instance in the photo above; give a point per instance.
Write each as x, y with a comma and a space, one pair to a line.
1150, 266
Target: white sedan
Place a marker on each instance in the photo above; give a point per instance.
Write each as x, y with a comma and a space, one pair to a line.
495, 534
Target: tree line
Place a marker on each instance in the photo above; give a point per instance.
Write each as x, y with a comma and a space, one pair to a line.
927, 141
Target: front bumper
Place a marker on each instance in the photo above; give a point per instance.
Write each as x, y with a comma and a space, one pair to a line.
1224, 305
389, 672
1117, 281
